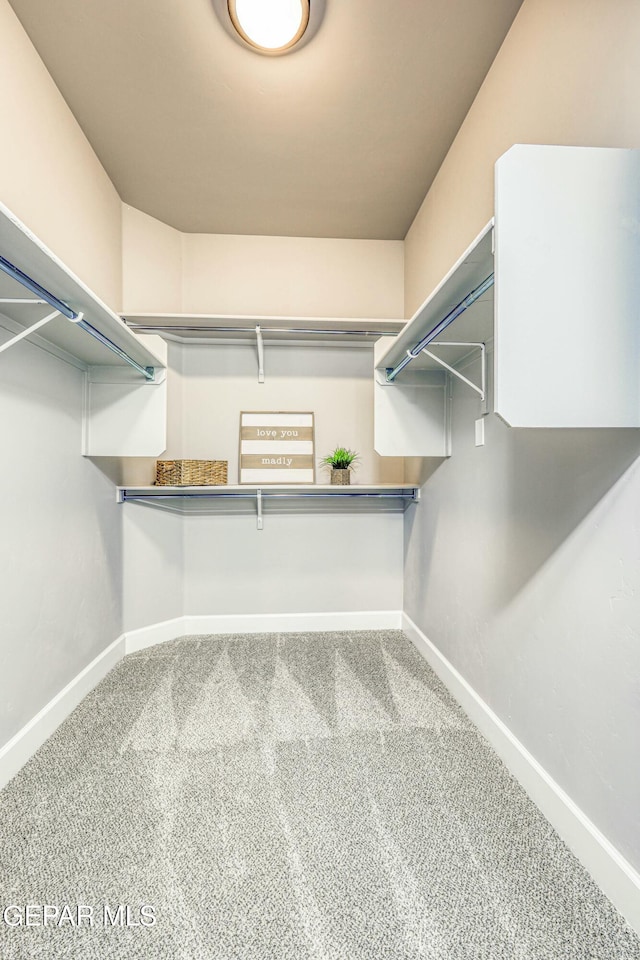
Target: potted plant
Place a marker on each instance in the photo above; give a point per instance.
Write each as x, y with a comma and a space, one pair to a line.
341, 463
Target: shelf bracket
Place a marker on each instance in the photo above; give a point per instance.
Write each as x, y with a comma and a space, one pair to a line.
480, 390
260, 345
260, 524
28, 330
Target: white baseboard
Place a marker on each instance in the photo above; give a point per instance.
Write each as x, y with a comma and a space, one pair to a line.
262, 623
155, 633
613, 874
15, 753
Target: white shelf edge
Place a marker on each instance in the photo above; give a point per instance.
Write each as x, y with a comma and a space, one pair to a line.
261, 319
293, 488
388, 497
193, 328
430, 311
20, 246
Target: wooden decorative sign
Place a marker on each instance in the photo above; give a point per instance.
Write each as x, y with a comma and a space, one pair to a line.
277, 448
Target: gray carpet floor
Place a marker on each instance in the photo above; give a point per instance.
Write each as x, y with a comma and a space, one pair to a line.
295, 797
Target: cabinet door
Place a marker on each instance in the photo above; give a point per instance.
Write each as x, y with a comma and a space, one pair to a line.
567, 248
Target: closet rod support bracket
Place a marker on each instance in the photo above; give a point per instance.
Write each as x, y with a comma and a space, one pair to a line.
480, 390
32, 329
260, 345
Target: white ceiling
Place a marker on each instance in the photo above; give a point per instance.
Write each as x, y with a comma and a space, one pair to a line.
340, 138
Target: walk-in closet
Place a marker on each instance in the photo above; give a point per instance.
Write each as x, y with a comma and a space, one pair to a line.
320, 419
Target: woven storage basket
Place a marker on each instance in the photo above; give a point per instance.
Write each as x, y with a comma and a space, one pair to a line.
191, 473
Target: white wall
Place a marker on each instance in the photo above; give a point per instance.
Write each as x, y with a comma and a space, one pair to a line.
168, 271
218, 381
209, 564
153, 565
49, 175
61, 557
521, 566
567, 73
296, 564
301, 563
522, 562
293, 276
165, 271
151, 264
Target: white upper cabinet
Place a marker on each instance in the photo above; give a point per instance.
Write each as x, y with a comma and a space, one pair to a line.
567, 259
562, 310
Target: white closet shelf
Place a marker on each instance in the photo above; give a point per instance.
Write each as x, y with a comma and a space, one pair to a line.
21, 248
197, 326
473, 326
411, 393
276, 498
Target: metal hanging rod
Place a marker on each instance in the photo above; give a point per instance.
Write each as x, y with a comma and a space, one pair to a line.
126, 497
259, 496
179, 328
258, 330
16, 274
147, 372
442, 325
62, 308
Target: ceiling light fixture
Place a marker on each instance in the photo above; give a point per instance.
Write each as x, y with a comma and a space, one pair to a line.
270, 26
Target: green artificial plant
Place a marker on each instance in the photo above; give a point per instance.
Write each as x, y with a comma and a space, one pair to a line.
340, 459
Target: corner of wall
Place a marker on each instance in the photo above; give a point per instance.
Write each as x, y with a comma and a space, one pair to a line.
151, 264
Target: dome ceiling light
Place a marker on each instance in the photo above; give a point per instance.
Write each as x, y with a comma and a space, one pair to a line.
270, 26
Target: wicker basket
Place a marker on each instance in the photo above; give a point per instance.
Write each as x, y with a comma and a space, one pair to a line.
191, 473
